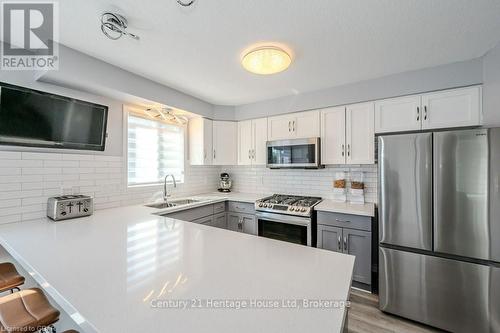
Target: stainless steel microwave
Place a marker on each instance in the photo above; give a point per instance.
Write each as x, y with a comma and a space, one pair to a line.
294, 153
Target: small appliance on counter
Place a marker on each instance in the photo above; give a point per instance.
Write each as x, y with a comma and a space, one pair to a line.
225, 182
69, 206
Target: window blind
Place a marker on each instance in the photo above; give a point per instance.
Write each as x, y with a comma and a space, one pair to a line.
154, 149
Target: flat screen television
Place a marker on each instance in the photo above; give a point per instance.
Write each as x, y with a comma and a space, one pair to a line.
38, 119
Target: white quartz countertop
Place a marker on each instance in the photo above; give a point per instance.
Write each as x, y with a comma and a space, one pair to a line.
111, 272
367, 209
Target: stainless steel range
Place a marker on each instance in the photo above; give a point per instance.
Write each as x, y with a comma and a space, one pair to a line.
288, 218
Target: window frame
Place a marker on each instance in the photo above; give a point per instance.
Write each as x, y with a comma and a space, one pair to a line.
136, 111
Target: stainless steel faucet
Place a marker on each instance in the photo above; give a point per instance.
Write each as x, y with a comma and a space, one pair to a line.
165, 194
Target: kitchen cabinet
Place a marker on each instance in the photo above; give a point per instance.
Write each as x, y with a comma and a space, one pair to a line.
358, 243
452, 108
245, 223
224, 143
219, 221
252, 138
347, 134
350, 234
398, 114
298, 125
333, 135
442, 109
200, 131
330, 238
360, 133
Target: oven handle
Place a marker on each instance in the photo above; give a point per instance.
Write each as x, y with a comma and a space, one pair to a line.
289, 219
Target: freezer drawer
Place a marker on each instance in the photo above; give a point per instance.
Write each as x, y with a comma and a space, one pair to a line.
448, 294
405, 194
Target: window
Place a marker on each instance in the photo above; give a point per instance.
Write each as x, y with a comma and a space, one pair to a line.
154, 149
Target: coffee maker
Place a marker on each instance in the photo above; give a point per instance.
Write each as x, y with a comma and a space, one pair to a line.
225, 182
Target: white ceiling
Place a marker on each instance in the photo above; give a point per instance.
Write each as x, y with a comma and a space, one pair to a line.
197, 50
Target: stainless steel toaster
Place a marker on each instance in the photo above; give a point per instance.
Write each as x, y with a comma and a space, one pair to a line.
69, 206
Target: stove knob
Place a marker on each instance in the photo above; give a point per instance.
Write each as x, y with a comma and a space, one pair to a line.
270, 206
303, 209
292, 209
265, 205
260, 204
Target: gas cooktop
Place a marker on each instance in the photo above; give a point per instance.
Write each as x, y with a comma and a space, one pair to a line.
287, 204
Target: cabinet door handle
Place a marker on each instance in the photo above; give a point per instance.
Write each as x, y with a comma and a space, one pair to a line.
204, 154
253, 154
214, 154
249, 154
425, 112
343, 150
289, 126
418, 113
293, 126
348, 149
340, 243
345, 243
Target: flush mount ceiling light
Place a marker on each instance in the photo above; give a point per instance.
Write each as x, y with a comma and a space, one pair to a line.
266, 60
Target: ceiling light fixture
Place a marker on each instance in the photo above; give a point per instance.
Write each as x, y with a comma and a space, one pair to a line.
185, 3
266, 60
114, 26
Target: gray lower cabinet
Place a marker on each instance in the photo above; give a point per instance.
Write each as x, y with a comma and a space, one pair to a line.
350, 241
245, 223
358, 243
219, 221
330, 238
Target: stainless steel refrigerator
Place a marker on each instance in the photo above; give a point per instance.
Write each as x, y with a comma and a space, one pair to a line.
439, 231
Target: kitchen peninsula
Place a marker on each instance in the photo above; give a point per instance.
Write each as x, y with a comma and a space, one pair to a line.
124, 269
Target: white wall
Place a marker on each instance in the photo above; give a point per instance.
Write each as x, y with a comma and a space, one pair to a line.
491, 87
430, 79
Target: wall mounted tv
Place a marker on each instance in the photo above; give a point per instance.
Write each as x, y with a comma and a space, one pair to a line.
38, 119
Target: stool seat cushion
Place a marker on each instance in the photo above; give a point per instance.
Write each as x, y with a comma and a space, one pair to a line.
9, 277
26, 311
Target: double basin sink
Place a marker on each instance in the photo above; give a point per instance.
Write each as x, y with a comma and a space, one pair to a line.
173, 203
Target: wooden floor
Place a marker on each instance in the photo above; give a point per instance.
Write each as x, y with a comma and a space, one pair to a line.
365, 317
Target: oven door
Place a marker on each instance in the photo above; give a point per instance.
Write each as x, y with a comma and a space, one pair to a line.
288, 228
297, 153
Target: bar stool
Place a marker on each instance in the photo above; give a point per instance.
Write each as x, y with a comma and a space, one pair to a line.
27, 311
10, 279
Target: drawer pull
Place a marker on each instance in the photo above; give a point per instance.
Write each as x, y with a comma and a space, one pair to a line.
342, 221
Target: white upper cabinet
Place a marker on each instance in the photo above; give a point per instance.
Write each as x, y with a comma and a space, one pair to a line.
252, 138
443, 109
294, 126
259, 131
225, 140
245, 144
452, 108
360, 133
306, 125
398, 114
200, 141
333, 145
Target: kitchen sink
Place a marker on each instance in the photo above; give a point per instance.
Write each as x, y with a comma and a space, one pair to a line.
173, 203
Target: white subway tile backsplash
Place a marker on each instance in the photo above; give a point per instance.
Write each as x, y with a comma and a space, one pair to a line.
41, 156
27, 180
259, 179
